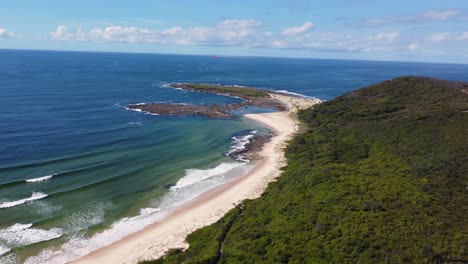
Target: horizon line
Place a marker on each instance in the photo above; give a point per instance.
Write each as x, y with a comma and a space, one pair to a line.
230, 56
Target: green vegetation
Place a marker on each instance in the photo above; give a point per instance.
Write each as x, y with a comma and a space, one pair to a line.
379, 176
205, 243
229, 90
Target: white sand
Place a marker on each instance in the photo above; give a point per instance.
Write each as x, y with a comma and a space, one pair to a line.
153, 241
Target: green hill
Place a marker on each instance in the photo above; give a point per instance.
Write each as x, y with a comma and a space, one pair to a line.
379, 176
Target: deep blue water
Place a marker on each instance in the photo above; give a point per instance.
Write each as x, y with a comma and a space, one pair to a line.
62, 114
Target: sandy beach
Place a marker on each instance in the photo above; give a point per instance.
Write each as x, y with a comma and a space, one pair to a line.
153, 241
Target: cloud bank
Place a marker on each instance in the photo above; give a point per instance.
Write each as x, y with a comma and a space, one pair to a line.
294, 31
249, 33
5, 33
243, 32
240, 33
439, 15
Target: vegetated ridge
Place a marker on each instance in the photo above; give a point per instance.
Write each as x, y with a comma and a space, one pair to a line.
379, 176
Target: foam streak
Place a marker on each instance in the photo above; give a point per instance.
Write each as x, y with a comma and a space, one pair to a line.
44, 178
34, 196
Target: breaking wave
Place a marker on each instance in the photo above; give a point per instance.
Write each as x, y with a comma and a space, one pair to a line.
19, 235
39, 179
239, 145
4, 250
196, 175
296, 94
192, 185
34, 196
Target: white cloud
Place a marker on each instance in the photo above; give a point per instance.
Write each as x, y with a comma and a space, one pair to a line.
278, 44
239, 23
464, 36
447, 36
60, 33
294, 31
251, 33
241, 33
63, 33
439, 37
5, 33
119, 34
385, 36
413, 46
428, 16
228, 32
442, 14
387, 20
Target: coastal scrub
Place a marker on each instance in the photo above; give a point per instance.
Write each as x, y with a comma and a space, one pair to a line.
378, 177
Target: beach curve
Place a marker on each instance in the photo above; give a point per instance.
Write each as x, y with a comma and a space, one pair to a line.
155, 240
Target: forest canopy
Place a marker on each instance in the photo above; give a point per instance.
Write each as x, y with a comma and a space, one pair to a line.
379, 176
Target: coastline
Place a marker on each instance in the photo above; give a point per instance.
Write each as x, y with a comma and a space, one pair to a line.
153, 241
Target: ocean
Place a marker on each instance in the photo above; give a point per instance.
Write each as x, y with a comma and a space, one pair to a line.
79, 171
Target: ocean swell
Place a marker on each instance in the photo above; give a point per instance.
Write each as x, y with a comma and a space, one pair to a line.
192, 185
34, 196
39, 179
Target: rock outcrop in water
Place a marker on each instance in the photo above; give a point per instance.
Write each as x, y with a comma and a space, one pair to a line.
251, 96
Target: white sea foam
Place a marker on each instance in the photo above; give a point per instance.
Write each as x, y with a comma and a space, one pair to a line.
145, 211
239, 145
196, 183
296, 94
45, 208
44, 178
133, 109
135, 123
8, 258
195, 175
24, 234
86, 217
16, 227
34, 196
19, 235
140, 111
78, 245
166, 85
4, 249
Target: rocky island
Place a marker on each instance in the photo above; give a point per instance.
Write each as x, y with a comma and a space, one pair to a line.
250, 96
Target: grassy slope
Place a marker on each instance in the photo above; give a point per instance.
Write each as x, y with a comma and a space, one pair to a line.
379, 177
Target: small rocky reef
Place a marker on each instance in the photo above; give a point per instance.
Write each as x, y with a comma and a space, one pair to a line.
250, 96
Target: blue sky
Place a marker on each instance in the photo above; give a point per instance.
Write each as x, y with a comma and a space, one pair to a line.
401, 30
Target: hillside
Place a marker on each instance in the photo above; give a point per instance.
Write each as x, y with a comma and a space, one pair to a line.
379, 176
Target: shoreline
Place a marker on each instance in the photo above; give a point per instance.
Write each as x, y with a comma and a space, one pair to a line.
155, 240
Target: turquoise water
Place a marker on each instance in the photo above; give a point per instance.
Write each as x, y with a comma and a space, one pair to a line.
78, 171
